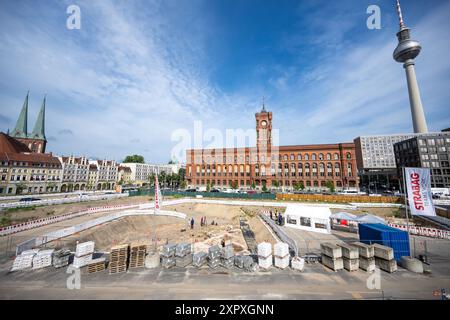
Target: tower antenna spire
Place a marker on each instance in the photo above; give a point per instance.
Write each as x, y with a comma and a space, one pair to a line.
400, 16
263, 105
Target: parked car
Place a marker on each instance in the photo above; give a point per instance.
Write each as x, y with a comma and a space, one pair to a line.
214, 190
191, 190
29, 199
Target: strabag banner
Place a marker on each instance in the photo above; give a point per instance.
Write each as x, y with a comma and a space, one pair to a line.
418, 184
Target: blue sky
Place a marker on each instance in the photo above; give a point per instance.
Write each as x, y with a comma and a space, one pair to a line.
137, 71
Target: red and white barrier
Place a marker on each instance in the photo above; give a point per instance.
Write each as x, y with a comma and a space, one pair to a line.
423, 231
45, 221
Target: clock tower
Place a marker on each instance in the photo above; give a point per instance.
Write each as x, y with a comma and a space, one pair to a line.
264, 131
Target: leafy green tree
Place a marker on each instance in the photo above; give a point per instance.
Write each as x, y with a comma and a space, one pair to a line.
330, 185
253, 185
135, 158
275, 183
20, 187
208, 187
264, 186
299, 186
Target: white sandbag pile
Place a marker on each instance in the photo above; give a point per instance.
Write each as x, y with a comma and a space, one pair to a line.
227, 258
214, 254
281, 251
265, 255
298, 263
61, 258
83, 254
43, 259
24, 260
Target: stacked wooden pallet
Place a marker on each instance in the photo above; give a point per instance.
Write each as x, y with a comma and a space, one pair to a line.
118, 259
95, 265
137, 255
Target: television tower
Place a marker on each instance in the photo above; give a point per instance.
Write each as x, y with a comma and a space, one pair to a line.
408, 49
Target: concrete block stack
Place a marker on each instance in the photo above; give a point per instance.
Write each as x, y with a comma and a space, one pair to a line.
239, 261
281, 252
118, 259
137, 255
61, 258
199, 259
24, 260
153, 260
350, 256
83, 254
265, 260
183, 255
43, 259
227, 257
95, 265
384, 258
332, 256
366, 256
168, 259
214, 254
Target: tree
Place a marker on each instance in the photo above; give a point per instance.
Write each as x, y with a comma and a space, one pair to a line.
233, 184
275, 183
264, 186
135, 158
299, 186
19, 187
208, 187
183, 184
253, 185
330, 185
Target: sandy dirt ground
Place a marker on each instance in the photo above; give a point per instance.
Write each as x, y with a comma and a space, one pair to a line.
24, 214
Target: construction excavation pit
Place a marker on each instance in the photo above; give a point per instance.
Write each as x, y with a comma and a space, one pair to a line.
238, 226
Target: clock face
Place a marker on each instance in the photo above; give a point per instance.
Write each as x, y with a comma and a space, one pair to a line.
263, 123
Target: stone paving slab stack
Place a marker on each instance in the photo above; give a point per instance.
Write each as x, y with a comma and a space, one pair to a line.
183, 249
384, 258
169, 250
83, 254
332, 256
351, 264
168, 259
199, 259
137, 255
153, 260
118, 259
43, 259
365, 250
239, 261
265, 259
95, 265
281, 252
61, 258
214, 254
184, 261
24, 260
227, 257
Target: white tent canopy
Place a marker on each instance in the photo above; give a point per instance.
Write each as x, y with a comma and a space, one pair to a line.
365, 218
310, 218
344, 216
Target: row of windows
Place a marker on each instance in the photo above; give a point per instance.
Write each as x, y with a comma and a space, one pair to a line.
28, 164
285, 157
307, 183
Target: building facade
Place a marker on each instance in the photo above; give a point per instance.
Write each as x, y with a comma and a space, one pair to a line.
426, 151
75, 173
273, 167
141, 172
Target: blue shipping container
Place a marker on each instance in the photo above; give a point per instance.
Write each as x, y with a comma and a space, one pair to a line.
387, 236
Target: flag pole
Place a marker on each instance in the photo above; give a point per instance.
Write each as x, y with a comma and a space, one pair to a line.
406, 206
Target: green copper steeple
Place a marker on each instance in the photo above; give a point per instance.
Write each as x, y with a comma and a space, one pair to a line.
39, 127
20, 131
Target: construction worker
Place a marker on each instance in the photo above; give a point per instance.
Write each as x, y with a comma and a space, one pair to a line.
271, 217
280, 219
192, 223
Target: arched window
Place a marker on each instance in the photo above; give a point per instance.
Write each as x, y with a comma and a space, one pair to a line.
337, 169
328, 156
285, 157
336, 156
320, 156
292, 157
329, 170
348, 156
306, 157
299, 157
313, 157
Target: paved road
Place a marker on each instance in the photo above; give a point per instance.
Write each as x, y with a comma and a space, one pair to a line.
316, 282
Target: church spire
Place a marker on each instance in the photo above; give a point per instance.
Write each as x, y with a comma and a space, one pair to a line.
39, 127
20, 130
263, 105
